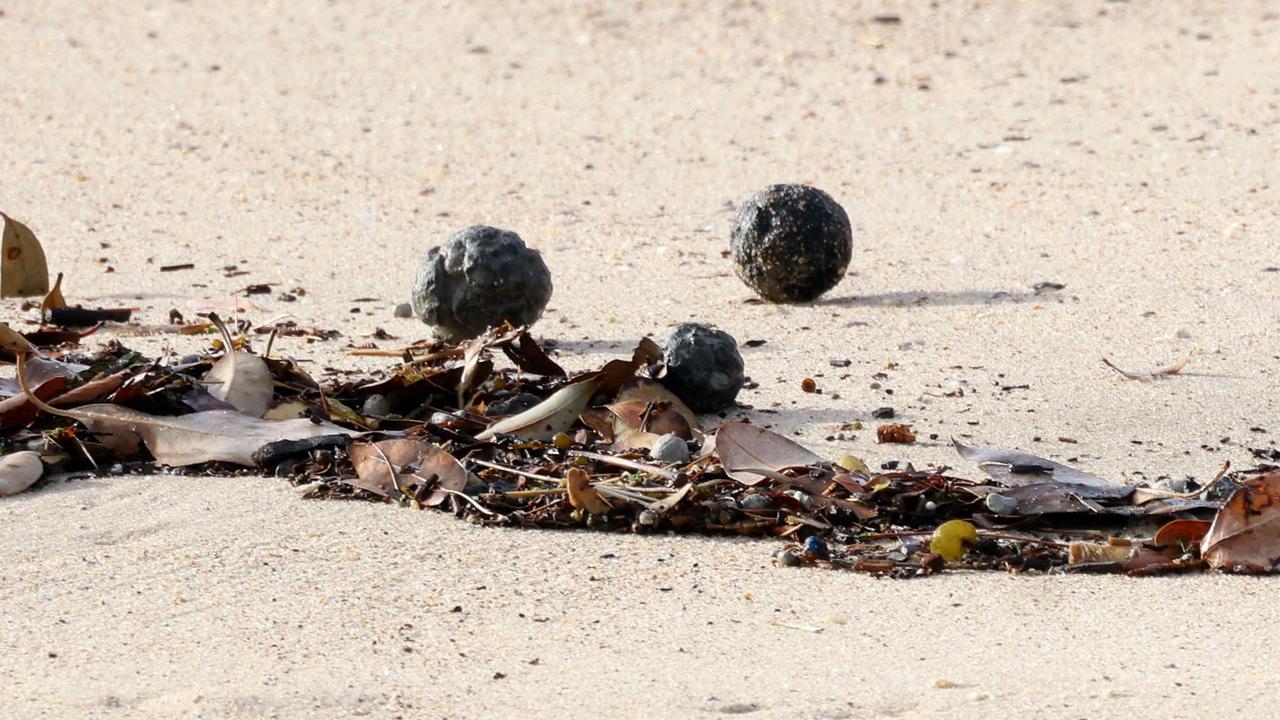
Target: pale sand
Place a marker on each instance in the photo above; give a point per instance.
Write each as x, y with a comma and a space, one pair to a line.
1128, 151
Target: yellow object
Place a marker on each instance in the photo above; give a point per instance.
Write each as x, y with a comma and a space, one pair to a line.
951, 538
853, 463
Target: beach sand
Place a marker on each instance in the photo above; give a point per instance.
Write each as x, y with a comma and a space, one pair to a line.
1128, 151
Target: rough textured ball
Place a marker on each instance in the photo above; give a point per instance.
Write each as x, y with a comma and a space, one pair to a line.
791, 243
703, 367
480, 277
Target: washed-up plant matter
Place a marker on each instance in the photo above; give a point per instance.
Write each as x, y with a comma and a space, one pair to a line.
494, 431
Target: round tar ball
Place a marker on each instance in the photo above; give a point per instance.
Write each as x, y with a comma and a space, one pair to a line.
480, 277
791, 243
703, 367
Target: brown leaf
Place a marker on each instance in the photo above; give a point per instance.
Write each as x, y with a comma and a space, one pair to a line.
407, 466
52, 300
1245, 534
895, 433
92, 391
19, 471
23, 272
751, 454
213, 435
530, 358
13, 343
581, 495
1181, 533
645, 411
239, 378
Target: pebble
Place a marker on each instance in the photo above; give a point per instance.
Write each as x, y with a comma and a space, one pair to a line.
403, 310
788, 558
376, 404
670, 448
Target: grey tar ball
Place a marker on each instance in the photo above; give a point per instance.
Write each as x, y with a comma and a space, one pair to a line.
480, 277
791, 243
703, 367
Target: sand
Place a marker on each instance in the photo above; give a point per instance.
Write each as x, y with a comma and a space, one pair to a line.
1127, 151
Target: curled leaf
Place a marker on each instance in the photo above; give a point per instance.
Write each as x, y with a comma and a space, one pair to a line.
1014, 468
581, 495
1245, 534
239, 378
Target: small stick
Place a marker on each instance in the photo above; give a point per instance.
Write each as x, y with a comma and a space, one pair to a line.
628, 464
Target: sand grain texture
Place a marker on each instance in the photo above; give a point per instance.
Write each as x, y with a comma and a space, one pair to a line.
1128, 150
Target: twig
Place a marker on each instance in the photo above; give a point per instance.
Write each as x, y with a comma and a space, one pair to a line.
625, 463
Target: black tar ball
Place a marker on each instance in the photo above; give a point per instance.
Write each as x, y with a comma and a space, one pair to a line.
703, 367
480, 277
791, 243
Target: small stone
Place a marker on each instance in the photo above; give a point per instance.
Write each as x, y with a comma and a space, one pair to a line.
703, 367
883, 413
403, 310
440, 418
753, 502
480, 277
670, 448
1001, 504
791, 243
1172, 484
1183, 334
788, 558
377, 405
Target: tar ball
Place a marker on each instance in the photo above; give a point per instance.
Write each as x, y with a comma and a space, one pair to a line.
703, 367
480, 277
791, 243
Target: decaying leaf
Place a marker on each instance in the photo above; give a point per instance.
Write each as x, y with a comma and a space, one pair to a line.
407, 466
553, 415
895, 433
645, 411
1014, 468
581, 495
13, 343
1182, 533
1121, 555
23, 271
1173, 369
239, 378
1245, 534
19, 471
210, 436
746, 450
52, 300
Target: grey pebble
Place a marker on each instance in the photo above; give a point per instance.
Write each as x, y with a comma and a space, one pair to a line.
403, 310
376, 404
670, 448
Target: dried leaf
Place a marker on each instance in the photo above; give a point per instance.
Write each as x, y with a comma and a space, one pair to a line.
13, 343
213, 435
1014, 468
92, 391
751, 454
52, 300
895, 433
1245, 534
19, 471
581, 495
1173, 369
554, 415
1181, 533
239, 378
407, 466
645, 411
23, 272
